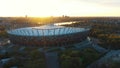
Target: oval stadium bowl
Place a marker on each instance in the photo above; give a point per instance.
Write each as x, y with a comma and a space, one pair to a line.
48, 36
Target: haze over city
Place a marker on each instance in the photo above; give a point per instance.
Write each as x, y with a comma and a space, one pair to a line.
46, 8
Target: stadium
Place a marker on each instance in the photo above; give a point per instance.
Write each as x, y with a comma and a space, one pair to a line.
48, 35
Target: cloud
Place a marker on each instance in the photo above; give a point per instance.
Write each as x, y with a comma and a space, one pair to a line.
113, 3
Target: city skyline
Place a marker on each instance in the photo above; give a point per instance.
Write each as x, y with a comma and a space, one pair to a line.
46, 8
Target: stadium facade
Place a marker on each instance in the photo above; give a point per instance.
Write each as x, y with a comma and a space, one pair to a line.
48, 36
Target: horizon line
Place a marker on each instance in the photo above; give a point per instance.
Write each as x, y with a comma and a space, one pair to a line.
58, 16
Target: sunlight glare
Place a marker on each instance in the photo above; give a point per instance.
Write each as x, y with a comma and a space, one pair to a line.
44, 8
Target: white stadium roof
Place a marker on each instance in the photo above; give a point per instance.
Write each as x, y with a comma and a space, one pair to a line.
46, 30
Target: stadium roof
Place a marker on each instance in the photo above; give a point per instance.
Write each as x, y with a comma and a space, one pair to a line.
46, 30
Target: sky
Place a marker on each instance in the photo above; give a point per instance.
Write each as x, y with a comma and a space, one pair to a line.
46, 8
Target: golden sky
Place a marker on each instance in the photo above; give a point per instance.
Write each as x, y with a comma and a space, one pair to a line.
44, 8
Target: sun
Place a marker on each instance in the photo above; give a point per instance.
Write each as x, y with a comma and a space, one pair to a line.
42, 8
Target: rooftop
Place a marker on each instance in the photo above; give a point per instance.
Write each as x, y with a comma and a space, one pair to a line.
46, 30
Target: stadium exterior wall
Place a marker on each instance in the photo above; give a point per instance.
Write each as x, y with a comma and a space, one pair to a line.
49, 41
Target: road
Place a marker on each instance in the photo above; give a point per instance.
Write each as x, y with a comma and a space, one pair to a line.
52, 59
